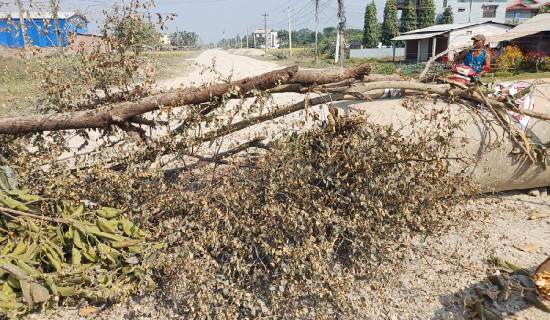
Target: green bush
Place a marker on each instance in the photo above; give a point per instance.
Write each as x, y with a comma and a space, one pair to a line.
503, 74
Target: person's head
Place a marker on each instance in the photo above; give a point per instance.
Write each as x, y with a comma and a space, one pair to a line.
479, 41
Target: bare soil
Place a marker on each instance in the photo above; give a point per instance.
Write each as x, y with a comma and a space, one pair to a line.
442, 272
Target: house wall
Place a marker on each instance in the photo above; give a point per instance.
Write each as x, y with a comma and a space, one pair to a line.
463, 37
472, 10
518, 16
87, 43
462, 12
272, 38
376, 53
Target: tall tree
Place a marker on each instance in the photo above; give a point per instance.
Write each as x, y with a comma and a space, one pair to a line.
329, 32
23, 27
134, 33
426, 14
447, 16
544, 9
408, 17
54, 4
371, 29
390, 28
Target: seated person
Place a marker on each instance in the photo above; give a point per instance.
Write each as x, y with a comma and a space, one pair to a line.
476, 57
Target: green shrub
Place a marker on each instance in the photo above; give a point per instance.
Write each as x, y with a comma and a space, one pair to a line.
536, 60
503, 74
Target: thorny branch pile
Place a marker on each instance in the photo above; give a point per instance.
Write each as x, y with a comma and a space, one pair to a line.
286, 226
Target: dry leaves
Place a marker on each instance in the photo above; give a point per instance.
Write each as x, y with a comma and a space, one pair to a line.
527, 247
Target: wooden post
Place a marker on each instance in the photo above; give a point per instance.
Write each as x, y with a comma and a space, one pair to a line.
418, 51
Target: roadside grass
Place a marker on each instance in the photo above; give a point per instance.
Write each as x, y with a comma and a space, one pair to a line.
519, 76
304, 58
17, 86
170, 64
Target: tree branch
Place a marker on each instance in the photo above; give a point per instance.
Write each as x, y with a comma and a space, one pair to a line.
123, 112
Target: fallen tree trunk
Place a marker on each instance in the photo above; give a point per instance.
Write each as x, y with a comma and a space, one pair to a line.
120, 113
128, 111
333, 86
323, 76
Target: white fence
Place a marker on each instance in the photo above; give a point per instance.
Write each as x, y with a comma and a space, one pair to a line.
377, 53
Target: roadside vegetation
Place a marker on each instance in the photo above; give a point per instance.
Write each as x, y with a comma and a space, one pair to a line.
16, 86
21, 80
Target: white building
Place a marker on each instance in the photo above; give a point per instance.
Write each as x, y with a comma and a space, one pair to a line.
272, 40
468, 10
165, 38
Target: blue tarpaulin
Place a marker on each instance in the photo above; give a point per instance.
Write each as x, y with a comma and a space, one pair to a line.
40, 31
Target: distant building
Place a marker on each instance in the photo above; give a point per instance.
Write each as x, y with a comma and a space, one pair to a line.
422, 44
165, 38
521, 10
40, 28
465, 11
272, 40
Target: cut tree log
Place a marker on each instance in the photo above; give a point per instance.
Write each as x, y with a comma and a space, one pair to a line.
128, 111
124, 112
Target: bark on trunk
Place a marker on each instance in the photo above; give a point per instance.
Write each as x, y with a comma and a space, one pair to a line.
127, 111
123, 112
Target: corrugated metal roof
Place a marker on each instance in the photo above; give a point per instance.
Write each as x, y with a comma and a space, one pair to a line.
444, 27
418, 36
538, 23
36, 15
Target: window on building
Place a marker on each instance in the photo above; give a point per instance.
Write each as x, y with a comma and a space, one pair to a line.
461, 9
444, 3
489, 11
461, 0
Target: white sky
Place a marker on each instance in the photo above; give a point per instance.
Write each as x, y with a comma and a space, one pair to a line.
210, 18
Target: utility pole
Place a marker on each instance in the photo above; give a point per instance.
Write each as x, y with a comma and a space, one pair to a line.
223, 42
341, 27
316, 28
247, 38
289, 34
265, 45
